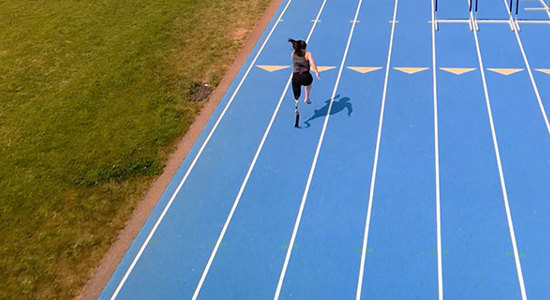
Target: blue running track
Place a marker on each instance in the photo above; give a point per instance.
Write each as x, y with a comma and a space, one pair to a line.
420, 171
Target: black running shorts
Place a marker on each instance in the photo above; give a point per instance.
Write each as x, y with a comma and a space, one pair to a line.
299, 79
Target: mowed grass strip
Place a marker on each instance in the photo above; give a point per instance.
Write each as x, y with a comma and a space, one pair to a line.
93, 96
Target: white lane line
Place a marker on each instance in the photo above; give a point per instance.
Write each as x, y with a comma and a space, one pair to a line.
535, 88
532, 22
546, 8
316, 156
436, 158
375, 164
251, 167
161, 217
492, 21
501, 173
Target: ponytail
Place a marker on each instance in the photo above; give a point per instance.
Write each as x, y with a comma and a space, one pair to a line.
298, 46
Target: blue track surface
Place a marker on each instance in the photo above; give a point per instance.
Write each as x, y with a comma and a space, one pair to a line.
420, 171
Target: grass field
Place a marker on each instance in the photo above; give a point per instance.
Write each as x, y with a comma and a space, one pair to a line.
93, 96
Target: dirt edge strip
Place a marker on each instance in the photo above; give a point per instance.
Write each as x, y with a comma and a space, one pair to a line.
116, 252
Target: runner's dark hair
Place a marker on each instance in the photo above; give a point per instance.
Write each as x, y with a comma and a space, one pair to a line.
298, 46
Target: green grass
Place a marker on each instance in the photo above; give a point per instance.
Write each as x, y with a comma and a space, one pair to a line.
93, 97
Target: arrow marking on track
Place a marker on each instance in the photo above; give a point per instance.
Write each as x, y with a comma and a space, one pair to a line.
364, 70
410, 70
458, 71
504, 71
271, 68
547, 71
325, 68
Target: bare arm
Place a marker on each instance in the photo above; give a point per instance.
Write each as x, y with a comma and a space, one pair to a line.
309, 58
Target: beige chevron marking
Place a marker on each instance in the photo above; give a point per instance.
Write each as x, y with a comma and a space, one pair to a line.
458, 71
271, 68
547, 71
504, 71
364, 70
410, 70
325, 68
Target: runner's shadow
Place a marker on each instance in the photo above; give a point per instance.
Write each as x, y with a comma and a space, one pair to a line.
337, 106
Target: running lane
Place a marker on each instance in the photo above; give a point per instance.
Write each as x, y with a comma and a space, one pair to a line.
250, 262
452, 9
533, 10
325, 262
402, 235
490, 9
525, 152
474, 228
173, 259
536, 50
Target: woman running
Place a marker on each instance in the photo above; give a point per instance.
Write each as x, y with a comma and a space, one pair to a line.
301, 62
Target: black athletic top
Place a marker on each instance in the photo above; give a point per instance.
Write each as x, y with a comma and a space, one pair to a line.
300, 64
